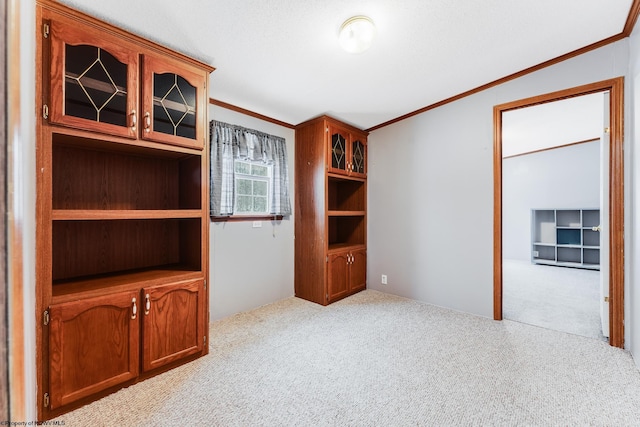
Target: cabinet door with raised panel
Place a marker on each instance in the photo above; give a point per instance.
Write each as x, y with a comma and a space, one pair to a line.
338, 147
93, 345
358, 270
94, 78
338, 274
173, 322
174, 102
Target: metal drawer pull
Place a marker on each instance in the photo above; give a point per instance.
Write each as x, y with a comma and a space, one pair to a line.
147, 122
147, 304
134, 310
134, 119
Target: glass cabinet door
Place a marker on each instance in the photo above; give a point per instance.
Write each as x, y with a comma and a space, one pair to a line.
93, 81
358, 157
174, 102
338, 145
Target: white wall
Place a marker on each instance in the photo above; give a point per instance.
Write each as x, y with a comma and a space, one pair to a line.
633, 258
431, 189
251, 267
565, 177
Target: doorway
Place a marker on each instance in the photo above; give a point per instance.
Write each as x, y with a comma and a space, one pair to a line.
551, 215
615, 211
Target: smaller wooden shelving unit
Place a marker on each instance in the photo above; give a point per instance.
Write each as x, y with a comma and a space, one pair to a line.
331, 210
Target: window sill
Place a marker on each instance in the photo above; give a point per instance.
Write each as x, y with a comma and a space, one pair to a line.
240, 218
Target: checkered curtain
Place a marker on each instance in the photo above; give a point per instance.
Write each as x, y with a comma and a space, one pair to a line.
230, 142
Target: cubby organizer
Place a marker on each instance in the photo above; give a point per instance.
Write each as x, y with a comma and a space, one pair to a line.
566, 237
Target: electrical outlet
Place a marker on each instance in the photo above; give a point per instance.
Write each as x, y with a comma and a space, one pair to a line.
257, 224
384, 279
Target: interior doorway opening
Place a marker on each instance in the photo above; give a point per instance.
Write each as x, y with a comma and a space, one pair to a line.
554, 182
614, 212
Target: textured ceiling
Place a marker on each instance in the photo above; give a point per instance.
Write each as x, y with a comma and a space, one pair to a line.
281, 58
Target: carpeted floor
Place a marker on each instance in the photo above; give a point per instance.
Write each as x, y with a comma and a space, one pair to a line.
558, 298
379, 360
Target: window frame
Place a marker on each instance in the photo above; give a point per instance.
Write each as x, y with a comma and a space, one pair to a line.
253, 178
251, 216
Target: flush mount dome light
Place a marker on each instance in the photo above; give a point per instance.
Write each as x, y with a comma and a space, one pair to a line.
357, 34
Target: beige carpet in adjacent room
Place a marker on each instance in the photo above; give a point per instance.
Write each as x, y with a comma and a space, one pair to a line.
559, 298
379, 360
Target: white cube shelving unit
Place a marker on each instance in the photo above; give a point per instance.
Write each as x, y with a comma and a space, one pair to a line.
566, 237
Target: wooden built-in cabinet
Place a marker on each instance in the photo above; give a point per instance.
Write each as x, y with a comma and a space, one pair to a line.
346, 273
102, 83
122, 209
330, 203
346, 150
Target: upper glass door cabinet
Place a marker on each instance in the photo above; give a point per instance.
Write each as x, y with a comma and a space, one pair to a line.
338, 146
174, 103
347, 152
93, 81
358, 156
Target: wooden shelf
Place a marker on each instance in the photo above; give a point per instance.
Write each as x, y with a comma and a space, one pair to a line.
338, 247
124, 214
71, 290
346, 213
340, 177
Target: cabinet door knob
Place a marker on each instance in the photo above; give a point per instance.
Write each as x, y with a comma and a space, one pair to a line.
134, 309
147, 304
147, 122
134, 119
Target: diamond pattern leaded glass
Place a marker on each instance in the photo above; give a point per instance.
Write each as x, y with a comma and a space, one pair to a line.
358, 156
338, 151
95, 85
174, 105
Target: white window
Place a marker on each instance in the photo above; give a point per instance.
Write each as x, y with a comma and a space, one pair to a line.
252, 182
249, 176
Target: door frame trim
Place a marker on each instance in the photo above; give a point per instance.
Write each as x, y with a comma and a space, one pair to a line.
616, 195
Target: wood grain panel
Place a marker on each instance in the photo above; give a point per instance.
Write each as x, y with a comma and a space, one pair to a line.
4, 354
338, 275
93, 345
173, 322
88, 179
349, 230
191, 182
346, 194
358, 270
85, 248
310, 221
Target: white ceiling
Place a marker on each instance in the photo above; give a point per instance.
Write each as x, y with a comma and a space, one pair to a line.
281, 58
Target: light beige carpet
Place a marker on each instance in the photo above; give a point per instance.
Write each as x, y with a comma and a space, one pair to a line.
559, 298
379, 360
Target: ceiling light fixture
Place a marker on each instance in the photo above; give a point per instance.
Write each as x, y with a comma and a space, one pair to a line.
357, 34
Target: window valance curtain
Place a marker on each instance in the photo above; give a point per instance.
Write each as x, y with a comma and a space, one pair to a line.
230, 142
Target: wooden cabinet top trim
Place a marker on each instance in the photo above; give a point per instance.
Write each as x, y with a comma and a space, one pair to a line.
330, 120
102, 26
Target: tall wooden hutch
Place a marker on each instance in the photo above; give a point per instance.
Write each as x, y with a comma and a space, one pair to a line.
122, 208
330, 210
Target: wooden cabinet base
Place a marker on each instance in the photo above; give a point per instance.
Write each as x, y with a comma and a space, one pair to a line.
53, 413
